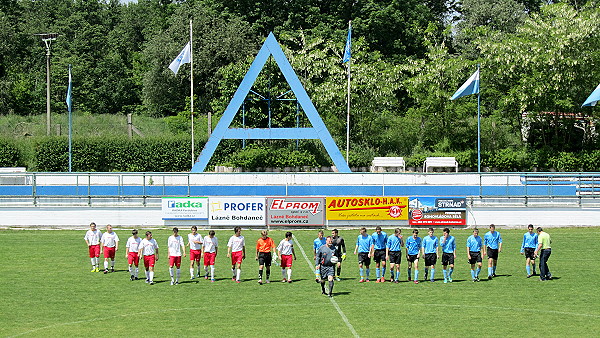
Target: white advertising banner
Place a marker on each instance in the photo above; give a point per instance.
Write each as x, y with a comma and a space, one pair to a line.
237, 211
176, 208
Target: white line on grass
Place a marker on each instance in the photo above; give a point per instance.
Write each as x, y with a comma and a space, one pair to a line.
311, 266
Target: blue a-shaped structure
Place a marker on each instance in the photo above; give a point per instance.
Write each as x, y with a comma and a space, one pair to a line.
318, 130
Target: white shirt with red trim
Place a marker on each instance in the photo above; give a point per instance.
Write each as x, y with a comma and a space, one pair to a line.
109, 239
148, 246
210, 244
175, 244
192, 238
285, 247
133, 244
93, 237
236, 243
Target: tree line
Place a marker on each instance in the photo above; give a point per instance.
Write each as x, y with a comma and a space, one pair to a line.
539, 61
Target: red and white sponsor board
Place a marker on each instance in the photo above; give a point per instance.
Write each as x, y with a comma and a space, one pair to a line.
295, 211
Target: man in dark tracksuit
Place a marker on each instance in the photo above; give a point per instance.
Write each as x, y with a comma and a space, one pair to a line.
323, 263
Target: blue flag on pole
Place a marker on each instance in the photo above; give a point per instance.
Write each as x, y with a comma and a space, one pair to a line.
469, 87
347, 50
593, 98
183, 57
70, 92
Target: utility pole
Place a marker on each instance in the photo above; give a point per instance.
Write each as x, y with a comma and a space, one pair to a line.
47, 38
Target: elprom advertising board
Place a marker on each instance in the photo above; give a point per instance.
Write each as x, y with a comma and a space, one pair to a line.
367, 208
182, 208
237, 211
438, 211
296, 211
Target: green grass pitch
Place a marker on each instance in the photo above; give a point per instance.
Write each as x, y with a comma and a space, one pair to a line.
47, 289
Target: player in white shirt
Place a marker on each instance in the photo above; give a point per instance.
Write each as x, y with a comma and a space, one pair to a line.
131, 253
195, 244
285, 250
210, 248
149, 250
109, 243
176, 248
92, 239
236, 249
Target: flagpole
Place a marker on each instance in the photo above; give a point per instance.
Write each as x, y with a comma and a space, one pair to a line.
348, 111
479, 124
70, 123
192, 90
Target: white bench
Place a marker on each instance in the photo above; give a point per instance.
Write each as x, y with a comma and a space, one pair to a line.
380, 164
440, 162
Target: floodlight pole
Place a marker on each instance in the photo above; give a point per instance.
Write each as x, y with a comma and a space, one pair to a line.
47, 38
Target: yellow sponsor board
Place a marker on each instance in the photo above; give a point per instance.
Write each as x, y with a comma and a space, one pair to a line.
367, 208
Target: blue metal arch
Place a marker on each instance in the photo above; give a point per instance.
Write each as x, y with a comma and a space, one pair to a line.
318, 130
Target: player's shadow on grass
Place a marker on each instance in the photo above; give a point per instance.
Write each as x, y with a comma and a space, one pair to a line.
343, 293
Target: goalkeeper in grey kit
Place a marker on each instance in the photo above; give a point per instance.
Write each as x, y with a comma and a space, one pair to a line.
325, 265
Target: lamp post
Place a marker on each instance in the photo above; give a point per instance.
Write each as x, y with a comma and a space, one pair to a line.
47, 38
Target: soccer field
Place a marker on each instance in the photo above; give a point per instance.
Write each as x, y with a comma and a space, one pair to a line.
47, 289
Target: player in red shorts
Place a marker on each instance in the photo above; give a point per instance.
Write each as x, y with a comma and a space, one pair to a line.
236, 249
149, 250
131, 253
110, 245
176, 248
285, 250
210, 248
92, 239
195, 244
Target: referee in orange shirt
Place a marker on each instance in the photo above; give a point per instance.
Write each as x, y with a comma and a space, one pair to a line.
264, 246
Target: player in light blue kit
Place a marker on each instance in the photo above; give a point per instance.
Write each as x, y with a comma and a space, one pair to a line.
379, 241
393, 254
364, 248
474, 247
413, 248
492, 244
317, 243
448, 244
430, 252
528, 246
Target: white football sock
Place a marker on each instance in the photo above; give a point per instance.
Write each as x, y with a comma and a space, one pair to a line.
289, 273
238, 273
178, 274
151, 273
93, 261
191, 272
212, 272
105, 265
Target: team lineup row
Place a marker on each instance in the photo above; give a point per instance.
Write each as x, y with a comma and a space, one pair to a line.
380, 247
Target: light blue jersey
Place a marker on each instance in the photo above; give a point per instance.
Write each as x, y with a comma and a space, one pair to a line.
413, 245
448, 244
529, 241
474, 243
394, 243
318, 243
364, 243
430, 244
492, 239
379, 240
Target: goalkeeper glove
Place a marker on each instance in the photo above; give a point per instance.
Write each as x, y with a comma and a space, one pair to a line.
343, 256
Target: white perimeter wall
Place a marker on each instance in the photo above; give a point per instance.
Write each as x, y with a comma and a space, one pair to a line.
146, 217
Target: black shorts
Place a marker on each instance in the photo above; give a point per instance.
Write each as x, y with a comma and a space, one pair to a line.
326, 271
379, 255
447, 258
264, 258
492, 253
475, 257
363, 257
530, 253
430, 259
395, 257
412, 258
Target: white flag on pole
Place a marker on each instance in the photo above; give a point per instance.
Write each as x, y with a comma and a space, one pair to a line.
183, 57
